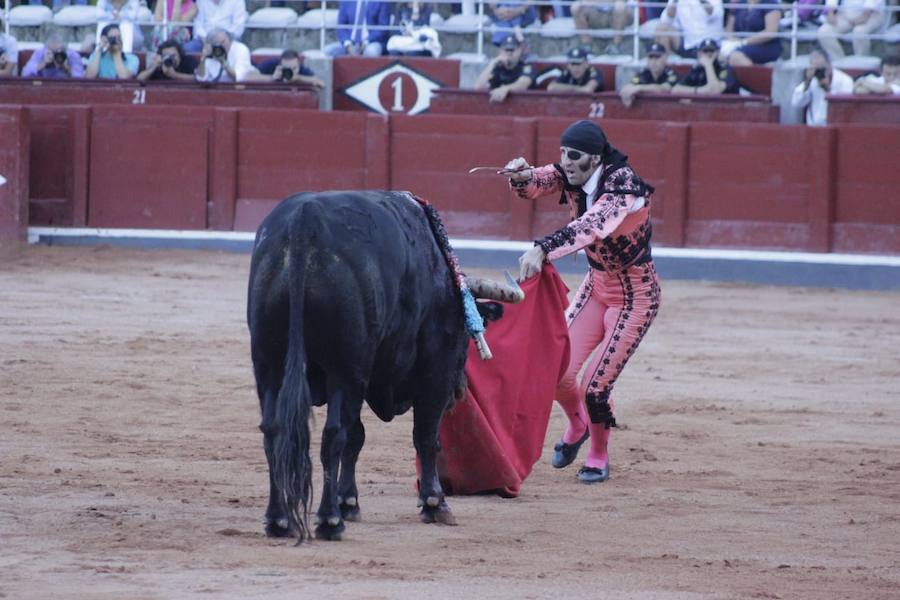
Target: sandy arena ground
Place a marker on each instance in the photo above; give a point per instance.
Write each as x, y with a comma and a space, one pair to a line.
759, 455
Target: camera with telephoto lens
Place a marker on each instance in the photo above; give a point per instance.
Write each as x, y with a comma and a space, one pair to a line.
112, 41
287, 73
59, 57
218, 51
168, 61
820, 73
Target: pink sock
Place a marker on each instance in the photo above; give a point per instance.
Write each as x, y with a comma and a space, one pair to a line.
577, 420
598, 456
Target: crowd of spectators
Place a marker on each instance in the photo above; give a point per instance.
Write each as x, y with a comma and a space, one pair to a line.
748, 31
202, 42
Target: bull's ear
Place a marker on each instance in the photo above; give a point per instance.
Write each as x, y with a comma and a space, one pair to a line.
490, 311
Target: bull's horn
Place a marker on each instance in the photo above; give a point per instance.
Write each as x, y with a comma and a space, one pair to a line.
491, 290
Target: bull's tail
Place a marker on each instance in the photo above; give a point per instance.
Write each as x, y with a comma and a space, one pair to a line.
292, 466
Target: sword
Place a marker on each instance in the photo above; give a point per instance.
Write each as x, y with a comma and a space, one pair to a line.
497, 170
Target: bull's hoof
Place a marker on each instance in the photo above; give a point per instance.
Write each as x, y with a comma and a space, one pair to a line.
332, 532
350, 510
438, 514
277, 528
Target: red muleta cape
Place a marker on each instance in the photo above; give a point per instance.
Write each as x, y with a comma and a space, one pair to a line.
491, 440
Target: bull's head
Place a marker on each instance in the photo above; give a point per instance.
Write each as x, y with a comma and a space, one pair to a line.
485, 289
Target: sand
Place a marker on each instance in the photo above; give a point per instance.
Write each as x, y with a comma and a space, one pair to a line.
758, 455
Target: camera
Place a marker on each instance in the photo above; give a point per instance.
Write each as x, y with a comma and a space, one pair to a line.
218, 51
112, 41
287, 73
820, 73
59, 57
168, 61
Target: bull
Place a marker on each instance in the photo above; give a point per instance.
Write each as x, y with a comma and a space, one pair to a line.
352, 298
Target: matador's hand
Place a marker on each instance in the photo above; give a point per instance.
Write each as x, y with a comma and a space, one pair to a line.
518, 169
530, 263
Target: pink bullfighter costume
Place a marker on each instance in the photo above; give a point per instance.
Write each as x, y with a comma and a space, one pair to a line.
617, 300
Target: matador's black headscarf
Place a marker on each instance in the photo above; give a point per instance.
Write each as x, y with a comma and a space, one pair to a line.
585, 136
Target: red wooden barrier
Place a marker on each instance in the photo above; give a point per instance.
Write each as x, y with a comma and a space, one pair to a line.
283, 152
14, 151
864, 109
164, 185
718, 184
90, 92
607, 105
866, 180
431, 157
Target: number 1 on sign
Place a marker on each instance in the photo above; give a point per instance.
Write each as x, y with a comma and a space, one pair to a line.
398, 94
140, 96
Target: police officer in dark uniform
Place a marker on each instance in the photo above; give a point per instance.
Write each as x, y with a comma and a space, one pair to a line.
507, 72
657, 77
709, 75
579, 75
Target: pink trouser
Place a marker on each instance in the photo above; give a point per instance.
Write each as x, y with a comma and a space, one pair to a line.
607, 318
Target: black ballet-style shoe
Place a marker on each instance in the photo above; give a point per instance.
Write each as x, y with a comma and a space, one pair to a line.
591, 475
564, 454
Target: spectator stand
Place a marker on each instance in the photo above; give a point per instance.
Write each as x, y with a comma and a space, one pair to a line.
549, 70
863, 109
88, 92
464, 31
755, 80
608, 105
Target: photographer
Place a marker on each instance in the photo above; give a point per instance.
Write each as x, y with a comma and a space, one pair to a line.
819, 80
9, 55
287, 69
224, 59
108, 60
54, 61
168, 63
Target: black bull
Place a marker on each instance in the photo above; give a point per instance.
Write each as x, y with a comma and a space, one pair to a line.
351, 299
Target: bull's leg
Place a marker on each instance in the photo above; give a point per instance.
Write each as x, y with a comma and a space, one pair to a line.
334, 439
269, 375
348, 494
426, 420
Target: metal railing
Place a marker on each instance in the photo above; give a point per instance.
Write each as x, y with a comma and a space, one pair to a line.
476, 8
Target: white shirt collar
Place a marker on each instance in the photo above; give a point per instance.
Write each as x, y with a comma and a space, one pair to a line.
590, 186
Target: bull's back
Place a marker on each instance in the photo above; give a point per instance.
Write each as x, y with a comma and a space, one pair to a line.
372, 271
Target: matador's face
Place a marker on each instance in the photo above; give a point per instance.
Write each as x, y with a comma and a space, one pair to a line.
577, 165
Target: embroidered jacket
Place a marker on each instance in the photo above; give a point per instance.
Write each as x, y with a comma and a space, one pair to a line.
614, 232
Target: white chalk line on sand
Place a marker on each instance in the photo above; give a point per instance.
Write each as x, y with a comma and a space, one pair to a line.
37, 234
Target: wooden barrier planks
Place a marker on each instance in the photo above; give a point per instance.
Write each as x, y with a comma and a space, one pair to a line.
608, 105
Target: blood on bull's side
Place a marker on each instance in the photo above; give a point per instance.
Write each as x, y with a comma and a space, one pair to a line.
354, 296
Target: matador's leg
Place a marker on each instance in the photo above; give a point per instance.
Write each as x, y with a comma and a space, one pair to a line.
584, 318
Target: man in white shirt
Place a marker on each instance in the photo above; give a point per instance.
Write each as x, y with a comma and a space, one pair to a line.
223, 59
885, 84
9, 55
819, 80
686, 23
862, 17
230, 15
